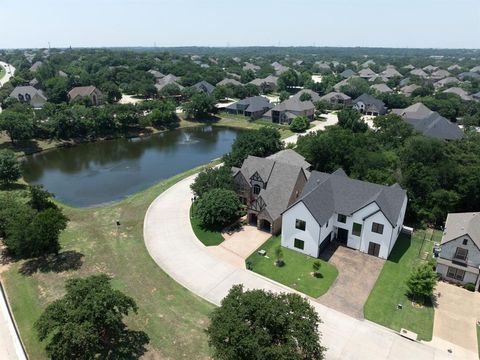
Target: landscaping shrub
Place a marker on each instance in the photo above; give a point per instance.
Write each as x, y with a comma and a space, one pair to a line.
218, 208
470, 287
300, 124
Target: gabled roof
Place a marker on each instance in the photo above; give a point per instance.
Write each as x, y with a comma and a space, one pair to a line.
419, 72
204, 86
250, 66
294, 104
390, 72
446, 81
313, 95
460, 92
461, 224
475, 69
27, 90
383, 88
409, 89
253, 104
166, 80
81, 91
440, 74
156, 74
270, 80
229, 81
291, 157
430, 68
469, 74
367, 73
335, 95
35, 66
348, 73
370, 100
326, 194
429, 123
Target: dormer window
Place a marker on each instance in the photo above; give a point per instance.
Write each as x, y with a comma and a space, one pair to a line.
256, 189
20, 97
465, 241
27, 97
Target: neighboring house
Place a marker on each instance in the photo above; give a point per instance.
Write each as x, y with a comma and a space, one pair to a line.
266, 85
204, 86
430, 68
460, 92
429, 123
90, 92
454, 67
229, 82
253, 107
338, 86
367, 73
268, 186
314, 97
419, 72
409, 67
250, 66
168, 80
409, 89
475, 69
323, 67
34, 82
459, 258
476, 96
35, 66
446, 81
36, 98
337, 98
390, 72
468, 75
369, 105
368, 63
156, 74
289, 109
382, 88
440, 74
363, 216
348, 73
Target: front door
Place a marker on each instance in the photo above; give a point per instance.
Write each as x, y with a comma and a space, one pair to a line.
342, 235
252, 219
373, 249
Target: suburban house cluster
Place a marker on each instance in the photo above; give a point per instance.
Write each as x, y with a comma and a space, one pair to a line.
311, 209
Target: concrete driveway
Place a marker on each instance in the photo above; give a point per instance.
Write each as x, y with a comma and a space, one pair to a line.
171, 243
456, 314
357, 274
239, 245
331, 119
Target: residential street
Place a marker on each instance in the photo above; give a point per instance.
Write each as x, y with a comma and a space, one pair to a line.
10, 347
9, 71
172, 244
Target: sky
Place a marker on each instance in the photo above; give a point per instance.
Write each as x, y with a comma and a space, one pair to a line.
371, 23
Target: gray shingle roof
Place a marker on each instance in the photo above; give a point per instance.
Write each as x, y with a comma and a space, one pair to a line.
370, 100
229, 81
81, 91
337, 95
290, 156
460, 224
460, 92
326, 194
429, 123
294, 104
314, 96
280, 173
348, 73
27, 90
251, 104
383, 88
204, 86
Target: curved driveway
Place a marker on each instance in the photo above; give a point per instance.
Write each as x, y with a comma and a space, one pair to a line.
171, 242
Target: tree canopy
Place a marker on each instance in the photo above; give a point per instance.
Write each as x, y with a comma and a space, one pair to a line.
9, 167
87, 323
259, 325
213, 178
218, 208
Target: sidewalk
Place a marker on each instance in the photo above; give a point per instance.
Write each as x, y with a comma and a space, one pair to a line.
172, 244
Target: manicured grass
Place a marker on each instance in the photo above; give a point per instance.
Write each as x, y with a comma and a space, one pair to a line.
296, 273
390, 290
173, 317
478, 339
207, 237
2, 71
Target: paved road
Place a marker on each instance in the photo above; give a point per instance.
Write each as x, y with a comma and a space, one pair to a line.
172, 244
10, 347
9, 71
331, 119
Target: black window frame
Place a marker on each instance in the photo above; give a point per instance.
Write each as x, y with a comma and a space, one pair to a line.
300, 222
455, 274
256, 186
343, 217
465, 241
296, 241
462, 257
377, 228
355, 232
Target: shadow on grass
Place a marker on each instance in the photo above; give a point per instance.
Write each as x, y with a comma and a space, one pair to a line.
400, 248
64, 261
13, 187
27, 146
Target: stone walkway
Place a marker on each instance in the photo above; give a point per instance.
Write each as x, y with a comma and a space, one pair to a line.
172, 244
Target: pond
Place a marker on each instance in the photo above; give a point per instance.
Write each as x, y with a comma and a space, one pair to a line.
96, 173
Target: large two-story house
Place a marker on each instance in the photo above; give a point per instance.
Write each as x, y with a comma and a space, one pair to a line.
267, 186
28, 94
363, 216
369, 105
459, 258
289, 109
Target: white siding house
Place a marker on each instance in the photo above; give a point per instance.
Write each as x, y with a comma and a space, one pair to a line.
369, 220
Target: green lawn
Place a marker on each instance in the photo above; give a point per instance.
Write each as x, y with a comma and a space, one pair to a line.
207, 237
296, 273
390, 289
173, 317
2, 71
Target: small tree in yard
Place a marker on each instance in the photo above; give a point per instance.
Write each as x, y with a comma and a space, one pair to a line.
87, 323
279, 256
316, 268
9, 167
259, 325
421, 283
300, 124
218, 208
